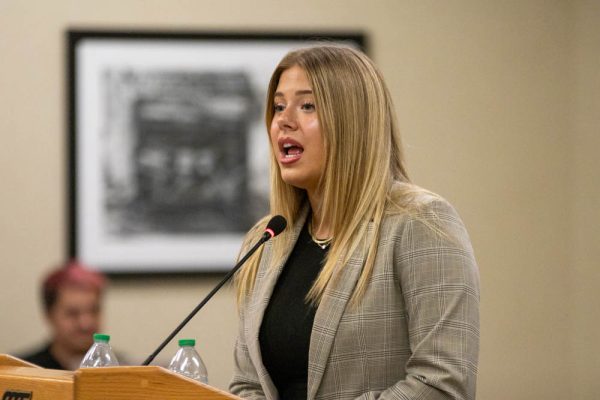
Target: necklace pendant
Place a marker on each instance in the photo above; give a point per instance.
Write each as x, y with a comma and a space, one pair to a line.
322, 243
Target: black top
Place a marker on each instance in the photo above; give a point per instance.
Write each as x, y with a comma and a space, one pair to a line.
43, 358
288, 320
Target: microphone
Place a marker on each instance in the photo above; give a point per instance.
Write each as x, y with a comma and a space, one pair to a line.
275, 226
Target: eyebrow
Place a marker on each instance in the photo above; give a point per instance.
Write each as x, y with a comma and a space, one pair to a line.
297, 93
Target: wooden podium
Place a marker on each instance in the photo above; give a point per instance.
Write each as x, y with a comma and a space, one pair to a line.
20, 380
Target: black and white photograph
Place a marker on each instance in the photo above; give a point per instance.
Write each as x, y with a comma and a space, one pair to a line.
169, 152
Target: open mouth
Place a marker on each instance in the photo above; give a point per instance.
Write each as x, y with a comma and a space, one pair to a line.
291, 150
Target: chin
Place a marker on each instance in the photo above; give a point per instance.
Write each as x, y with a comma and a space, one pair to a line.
294, 180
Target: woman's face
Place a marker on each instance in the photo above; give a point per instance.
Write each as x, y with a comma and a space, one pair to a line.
295, 133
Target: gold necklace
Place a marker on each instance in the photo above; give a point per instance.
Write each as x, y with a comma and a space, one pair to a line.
322, 243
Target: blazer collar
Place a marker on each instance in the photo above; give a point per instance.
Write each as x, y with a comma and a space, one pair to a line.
328, 316
265, 283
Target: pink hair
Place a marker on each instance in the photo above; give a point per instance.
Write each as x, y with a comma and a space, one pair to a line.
74, 274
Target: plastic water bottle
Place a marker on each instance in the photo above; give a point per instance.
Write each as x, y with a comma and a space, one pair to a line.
187, 361
100, 354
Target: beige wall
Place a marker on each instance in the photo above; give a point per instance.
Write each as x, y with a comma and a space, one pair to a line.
498, 103
584, 188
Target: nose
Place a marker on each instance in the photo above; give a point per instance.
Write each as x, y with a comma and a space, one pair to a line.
286, 121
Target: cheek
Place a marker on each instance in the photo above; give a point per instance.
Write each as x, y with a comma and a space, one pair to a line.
313, 125
317, 139
274, 124
273, 133
312, 128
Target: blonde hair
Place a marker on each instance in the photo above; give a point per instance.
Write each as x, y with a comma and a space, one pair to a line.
363, 158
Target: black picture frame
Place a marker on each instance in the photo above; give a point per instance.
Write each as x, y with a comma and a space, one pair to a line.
156, 121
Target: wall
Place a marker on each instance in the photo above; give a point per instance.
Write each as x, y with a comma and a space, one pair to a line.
494, 100
585, 191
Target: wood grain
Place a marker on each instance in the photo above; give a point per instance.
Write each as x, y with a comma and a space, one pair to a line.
115, 383
148, 383
44, 384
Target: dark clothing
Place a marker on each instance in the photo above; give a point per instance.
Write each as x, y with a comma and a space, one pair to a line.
43, 358
288, 320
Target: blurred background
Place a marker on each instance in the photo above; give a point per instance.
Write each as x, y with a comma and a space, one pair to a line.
499, 105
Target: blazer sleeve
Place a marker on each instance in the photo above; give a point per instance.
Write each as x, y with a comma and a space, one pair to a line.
439, 280
245, 382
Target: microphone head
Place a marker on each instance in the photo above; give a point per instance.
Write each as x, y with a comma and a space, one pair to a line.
275, 226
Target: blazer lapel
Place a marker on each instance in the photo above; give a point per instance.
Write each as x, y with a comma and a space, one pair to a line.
265, 283
328, 316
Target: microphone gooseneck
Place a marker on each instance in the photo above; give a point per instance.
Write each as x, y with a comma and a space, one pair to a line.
275, 226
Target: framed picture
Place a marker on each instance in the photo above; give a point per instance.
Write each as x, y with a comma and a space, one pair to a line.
168, 163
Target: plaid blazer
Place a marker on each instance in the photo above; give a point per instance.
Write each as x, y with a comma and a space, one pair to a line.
415, 335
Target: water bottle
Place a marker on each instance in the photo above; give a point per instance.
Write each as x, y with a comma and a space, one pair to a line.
100, 354
187, 362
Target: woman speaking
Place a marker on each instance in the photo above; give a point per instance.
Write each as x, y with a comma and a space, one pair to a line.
373, 291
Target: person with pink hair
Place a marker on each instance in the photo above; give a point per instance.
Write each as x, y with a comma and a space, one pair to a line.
72, 301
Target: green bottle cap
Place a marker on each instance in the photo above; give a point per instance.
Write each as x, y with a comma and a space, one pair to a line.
99, 337
187, 342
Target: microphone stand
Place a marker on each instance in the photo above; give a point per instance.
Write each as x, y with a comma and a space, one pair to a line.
266, 236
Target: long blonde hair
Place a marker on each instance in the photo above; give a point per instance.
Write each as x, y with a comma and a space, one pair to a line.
364, 157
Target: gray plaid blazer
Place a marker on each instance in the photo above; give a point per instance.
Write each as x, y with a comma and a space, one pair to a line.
415, 335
